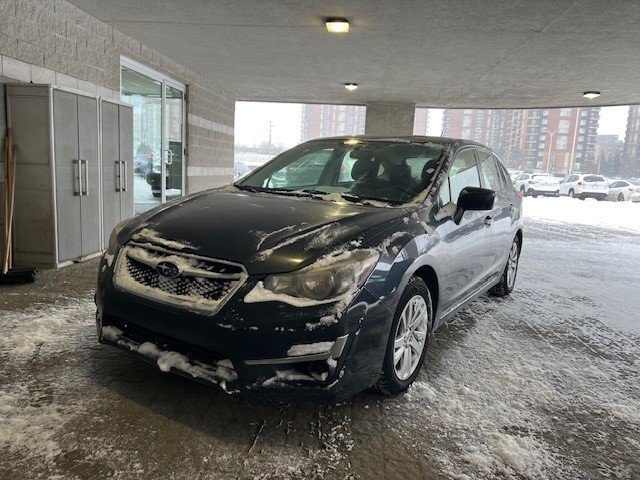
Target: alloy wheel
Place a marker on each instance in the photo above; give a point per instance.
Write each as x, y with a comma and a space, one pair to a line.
410, 337
512, 265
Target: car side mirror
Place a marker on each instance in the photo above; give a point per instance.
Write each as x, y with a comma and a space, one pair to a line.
474, 198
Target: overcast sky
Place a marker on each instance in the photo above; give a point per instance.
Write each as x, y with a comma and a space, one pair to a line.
252, 122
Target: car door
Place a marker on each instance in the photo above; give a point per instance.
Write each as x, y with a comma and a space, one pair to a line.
502, 213
468, 244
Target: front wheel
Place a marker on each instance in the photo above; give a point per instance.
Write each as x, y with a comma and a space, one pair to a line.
407, 344
572, 193
621, 197
508, 278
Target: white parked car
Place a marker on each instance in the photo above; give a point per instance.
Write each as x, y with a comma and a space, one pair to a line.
622, 190
534, 184
584, 186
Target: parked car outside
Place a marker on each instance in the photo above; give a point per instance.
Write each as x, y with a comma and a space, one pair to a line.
584, 186
325, 285
621, 190
240, 170
534, 184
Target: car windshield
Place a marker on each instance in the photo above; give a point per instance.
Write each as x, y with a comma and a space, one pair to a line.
392, 172
546, 178
593, 178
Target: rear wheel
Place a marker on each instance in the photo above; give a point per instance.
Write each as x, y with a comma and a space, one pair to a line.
407, 344
508, 278
572, 194
522, 191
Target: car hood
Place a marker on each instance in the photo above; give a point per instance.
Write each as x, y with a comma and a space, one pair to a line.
267, 233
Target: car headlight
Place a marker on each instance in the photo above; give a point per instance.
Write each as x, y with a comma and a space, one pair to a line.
328, 278
113, 239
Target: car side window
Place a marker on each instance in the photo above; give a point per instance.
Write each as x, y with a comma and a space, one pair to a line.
464, 173
489, 172
504, 175
616, 184
445, 193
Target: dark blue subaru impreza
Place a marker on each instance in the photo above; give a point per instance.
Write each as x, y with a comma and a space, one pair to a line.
323, 272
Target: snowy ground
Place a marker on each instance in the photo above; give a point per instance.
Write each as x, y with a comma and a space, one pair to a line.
544, 384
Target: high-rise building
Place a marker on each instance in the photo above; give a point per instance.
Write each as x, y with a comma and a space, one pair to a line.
631, 153
421, 121
560, 140
555, 140
608, 155
331, 120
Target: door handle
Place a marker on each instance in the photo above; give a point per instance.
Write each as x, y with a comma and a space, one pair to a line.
123, 187
85, 190
78, 178
118, 176
488, 220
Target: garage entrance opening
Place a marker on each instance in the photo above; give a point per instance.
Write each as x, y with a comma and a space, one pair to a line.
158, 134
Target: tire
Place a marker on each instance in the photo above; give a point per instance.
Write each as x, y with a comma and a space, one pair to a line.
572, 194
505, 286
557, 194
621, 197
390, 383
523, 192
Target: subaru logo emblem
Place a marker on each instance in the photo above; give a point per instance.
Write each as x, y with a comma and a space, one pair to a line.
168, 269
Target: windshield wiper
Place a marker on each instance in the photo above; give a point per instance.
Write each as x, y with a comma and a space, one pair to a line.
246, 188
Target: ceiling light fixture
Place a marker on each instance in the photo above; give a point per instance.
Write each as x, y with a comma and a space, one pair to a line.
337, 25
351, 86
591, 95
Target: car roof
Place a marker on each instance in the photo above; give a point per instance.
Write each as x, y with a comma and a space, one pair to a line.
408, 139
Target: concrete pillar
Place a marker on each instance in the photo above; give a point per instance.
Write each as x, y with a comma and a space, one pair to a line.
384, 118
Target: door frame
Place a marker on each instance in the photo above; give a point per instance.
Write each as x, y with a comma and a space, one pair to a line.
164, 81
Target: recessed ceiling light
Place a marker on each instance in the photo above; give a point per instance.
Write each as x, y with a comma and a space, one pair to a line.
351, 86
337, 25
591, 95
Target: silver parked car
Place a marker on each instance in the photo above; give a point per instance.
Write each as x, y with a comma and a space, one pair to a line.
621, 190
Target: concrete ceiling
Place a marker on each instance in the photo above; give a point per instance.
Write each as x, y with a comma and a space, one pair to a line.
448, 53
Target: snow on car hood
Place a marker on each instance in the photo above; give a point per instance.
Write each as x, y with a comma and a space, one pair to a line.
267, 233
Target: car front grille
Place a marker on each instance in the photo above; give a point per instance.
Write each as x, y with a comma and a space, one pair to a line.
183, 279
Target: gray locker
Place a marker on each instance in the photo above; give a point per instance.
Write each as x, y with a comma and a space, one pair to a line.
63, 213
117, 160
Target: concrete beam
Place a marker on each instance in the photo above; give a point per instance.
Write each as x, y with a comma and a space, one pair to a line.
389, 118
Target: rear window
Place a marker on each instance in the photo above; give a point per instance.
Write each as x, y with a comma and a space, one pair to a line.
594, 178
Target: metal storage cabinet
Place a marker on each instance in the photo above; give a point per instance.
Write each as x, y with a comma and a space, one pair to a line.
117, 164
59, 188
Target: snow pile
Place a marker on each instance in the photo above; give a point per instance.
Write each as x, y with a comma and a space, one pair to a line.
27, 427
324, 321
612, 215
390, 240
309, 349
264, 254
151, 236
43, 328
219, 373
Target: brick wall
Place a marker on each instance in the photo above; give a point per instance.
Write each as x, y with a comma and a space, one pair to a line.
52, 41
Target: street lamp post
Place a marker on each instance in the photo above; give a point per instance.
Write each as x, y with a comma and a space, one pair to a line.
551, 135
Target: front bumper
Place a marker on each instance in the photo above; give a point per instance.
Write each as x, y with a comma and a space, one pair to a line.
551, 192
268, 346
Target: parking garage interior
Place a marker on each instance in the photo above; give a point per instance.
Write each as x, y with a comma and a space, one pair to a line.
543, 384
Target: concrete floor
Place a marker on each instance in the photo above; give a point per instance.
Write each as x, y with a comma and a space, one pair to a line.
544, 384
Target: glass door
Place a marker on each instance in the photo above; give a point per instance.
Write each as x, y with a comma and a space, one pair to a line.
173, 142
158, 134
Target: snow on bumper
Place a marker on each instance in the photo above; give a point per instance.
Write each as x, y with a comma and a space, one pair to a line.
218, 373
